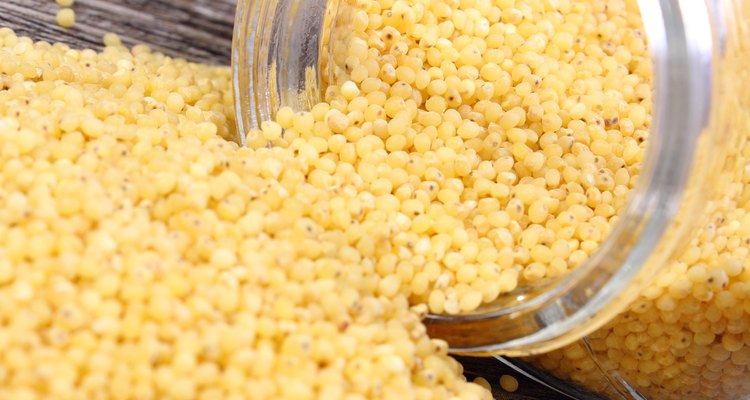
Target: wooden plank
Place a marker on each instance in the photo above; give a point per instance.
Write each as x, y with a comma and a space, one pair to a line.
198, 30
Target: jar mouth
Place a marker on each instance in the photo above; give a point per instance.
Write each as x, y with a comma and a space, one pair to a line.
679, 160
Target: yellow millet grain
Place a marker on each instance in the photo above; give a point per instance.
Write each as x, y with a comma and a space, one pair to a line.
111, 39
509, 383
65, 3
66, 17
145, 257
482, 382
497, 140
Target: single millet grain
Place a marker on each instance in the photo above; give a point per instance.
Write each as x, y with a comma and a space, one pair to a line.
509, 383
66, 17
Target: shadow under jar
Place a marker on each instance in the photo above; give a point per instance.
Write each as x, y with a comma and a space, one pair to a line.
661, 308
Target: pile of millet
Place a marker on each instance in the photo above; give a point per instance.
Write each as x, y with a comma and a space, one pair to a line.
463, 150
145, 257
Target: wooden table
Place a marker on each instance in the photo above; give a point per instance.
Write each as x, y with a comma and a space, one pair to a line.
199, 30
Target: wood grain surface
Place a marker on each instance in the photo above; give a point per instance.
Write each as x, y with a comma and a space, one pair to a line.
198, 30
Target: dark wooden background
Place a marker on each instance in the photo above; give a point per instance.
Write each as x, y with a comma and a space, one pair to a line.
198, 30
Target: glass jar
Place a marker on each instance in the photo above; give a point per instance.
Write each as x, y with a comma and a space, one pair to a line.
647, 312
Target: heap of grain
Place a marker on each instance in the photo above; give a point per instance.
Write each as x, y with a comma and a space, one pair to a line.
469, 147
